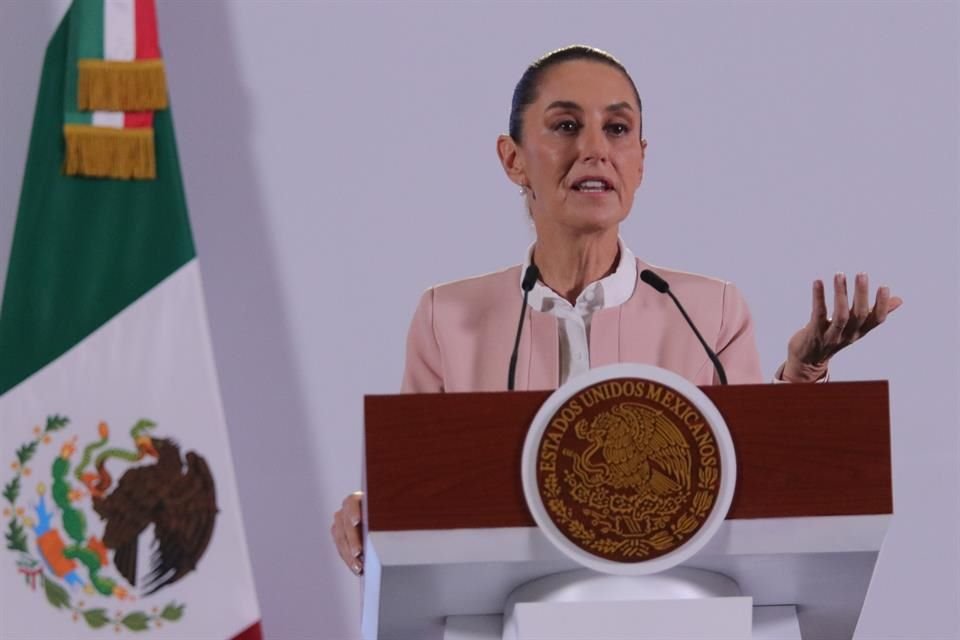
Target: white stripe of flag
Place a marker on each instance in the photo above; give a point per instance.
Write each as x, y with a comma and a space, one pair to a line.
119, 30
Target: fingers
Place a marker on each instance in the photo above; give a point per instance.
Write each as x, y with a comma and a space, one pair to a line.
818, 316
824, 336
353, 507
345, 532
338, 533
351, 526
841, 310
884, 305
339, 539
860, 310
861, 298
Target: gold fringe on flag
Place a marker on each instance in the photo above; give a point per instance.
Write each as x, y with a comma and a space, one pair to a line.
116, 85
104, 152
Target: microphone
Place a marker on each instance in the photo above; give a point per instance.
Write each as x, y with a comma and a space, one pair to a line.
661, 285
530, 277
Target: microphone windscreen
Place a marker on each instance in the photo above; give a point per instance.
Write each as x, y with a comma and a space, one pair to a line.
654, 281
530, 277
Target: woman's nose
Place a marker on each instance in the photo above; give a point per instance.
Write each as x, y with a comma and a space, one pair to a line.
594, 146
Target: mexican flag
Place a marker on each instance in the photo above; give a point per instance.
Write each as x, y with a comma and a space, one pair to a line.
120, 513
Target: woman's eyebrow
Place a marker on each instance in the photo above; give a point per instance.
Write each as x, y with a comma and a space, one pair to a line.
620, 106
570, 105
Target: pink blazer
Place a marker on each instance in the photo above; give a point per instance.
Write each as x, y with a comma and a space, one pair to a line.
462, 334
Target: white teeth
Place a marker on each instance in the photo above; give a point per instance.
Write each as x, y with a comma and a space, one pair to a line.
592, 185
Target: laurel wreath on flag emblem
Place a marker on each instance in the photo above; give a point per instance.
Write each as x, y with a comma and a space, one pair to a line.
88, 572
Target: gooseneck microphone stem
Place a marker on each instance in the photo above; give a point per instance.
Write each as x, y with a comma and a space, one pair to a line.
661, 285
530, 277
713, 357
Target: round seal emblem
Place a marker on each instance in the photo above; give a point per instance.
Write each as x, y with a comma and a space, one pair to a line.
629, 469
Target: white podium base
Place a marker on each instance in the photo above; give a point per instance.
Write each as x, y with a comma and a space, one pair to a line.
769, 623
413, 580
707, 619
678, 604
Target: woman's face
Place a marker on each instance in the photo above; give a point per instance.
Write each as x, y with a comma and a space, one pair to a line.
581, 155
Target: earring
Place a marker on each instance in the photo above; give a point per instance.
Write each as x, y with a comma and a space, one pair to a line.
523, 191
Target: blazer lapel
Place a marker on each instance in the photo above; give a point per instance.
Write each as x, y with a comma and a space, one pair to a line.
605, 337
542, 357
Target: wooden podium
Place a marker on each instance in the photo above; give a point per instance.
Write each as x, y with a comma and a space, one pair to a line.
448, 533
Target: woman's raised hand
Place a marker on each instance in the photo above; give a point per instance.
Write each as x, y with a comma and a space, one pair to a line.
811, 348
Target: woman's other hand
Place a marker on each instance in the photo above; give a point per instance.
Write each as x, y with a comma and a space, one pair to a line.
346, 531
811, 348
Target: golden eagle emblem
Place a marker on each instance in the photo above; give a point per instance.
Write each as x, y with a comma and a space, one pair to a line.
633, 446
628, 470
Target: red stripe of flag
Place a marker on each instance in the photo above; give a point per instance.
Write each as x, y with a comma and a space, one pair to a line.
137, 119
253, 632
145, 17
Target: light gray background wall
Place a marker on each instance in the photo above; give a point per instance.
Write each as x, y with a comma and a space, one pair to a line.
339, 158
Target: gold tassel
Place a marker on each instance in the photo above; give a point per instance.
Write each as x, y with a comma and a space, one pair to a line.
104, 152
115, 85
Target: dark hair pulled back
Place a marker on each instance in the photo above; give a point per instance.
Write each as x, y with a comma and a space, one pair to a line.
525, 92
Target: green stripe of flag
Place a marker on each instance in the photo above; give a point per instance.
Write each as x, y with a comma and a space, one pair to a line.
86, 41
78, 117
87, 27
83, 249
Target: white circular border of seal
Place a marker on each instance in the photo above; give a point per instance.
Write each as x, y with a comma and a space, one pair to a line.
728, 461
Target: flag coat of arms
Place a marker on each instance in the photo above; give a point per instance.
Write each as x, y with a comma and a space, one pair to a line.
120, 514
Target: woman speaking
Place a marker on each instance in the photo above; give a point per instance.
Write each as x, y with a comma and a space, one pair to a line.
576, 151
